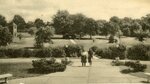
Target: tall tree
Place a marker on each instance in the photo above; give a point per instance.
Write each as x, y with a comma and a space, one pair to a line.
101, 27
20, 22
91, 27
126, 24
145, 23
29, 24
43, 35
135, 28
79, 22
5, 36
115, 24
2, 21
39, 23
61, 22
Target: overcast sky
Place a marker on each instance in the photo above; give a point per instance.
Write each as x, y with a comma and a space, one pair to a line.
97, 9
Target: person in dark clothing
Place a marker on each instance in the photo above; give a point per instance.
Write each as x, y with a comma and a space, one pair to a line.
84, 58
90, 56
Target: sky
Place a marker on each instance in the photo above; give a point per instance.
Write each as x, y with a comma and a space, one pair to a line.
97, 9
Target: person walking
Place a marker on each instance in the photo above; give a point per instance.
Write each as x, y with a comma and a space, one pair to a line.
83, 58
90, 56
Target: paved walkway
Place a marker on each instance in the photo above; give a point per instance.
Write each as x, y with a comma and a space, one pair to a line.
100, 73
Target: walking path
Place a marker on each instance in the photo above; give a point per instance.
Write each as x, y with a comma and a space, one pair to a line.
100, 73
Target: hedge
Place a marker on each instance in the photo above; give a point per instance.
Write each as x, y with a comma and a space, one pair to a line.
139, 52
73, 50
112, 52
70, 51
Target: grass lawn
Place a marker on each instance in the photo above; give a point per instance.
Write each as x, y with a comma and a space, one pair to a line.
18, 69
101, 42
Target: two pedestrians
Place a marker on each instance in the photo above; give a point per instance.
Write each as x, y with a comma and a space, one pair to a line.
86, 55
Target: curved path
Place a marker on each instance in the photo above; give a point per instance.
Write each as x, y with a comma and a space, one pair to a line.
100, 73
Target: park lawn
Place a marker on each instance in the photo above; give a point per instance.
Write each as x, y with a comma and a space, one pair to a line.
17, 69
101, 42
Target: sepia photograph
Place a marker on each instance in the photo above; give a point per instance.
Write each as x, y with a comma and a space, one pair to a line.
74, 41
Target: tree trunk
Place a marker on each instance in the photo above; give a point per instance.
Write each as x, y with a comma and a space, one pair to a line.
90, 36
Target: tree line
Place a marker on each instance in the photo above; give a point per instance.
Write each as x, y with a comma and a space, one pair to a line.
65, 23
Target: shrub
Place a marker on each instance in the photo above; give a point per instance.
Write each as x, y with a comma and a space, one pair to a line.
137, 66
2, 52
118, 51
13, 53
73, 50
139, 52
112, 39
44, 52
112, 52
29, 53
47, 66
94, 48
104, 53
58, 52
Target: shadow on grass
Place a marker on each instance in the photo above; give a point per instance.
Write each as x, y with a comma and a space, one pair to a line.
34, 71
80, 66
133, 73
145, 82
3, 83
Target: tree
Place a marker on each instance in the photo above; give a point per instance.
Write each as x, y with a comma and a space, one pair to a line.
20, 36
101, 27
106, 29
135, 28
114, 25
141, 35
78, 26
115, 19
145, 23
61, 22
29, 24
43, 35
20, 22
5, 36
2, 21
90, 27
39, 23
31, 31
126, 24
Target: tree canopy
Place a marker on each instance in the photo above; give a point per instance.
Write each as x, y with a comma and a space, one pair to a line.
20, 22
3, 21
5, 36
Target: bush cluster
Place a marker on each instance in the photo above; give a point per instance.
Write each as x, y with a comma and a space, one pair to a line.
70, 51
73, 50
112, 52
47, 66
136, 66
139, 52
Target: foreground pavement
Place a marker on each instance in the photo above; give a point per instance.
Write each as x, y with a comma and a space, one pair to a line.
101, 72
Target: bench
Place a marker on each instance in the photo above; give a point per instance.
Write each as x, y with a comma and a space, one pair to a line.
5, 77
148, 77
